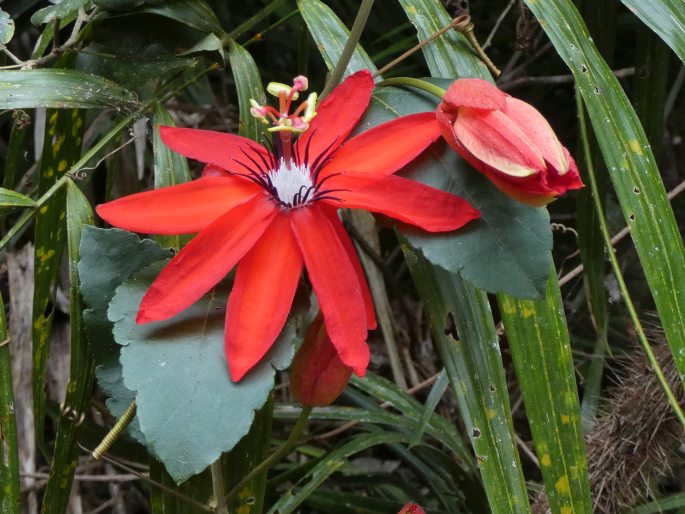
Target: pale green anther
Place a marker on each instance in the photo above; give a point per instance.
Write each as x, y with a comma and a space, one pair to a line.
310, 110
276, 88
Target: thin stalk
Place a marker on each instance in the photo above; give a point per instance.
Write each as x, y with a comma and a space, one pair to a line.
62, 181
115, 432
604, 229
218, 487
348, 49
275, 457
251, 22
417, 83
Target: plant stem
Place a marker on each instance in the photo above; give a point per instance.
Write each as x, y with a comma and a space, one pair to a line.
218, 487
348, 49
417, 83
251, 22
281, 452
604, 229
115, 432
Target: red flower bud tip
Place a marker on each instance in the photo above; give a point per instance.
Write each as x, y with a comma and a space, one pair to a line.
508, 140
412, 508
318, 376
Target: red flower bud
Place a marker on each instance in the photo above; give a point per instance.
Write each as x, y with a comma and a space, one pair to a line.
508, 140
318, 376
412, 508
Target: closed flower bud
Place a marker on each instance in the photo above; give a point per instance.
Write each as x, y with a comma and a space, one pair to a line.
318, 376
412, 508
508, 140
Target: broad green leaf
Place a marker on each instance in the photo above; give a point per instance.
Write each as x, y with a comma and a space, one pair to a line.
9, 454
539, 343
60, 89
79, 389
474, 366
330, 35
108, 257
194, 13
249, 86
10, 198
507, 249
6, 28
333, 461
631, 165
62, 148
60, 10
666, 18
170, 168
189, 409
449, 56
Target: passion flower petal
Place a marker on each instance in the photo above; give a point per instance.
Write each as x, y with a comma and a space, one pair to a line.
474, 93
263, 292
388, 147
336, 285
182, 209
203, 262
406, 200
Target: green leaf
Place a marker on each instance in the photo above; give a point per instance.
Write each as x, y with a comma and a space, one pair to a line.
63, 138
61, 89
540, 346
194, 13
65, 456
189, 409
329, 464
631, 165
108, 257
6, 28
508, 248
434, 397
210, 43
10, 198
249, 86
61, 9
666, 18
330, 35
449, 56
9, 455
15, 157
474, 366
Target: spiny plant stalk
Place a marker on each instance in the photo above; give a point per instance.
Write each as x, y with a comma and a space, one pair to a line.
636, 442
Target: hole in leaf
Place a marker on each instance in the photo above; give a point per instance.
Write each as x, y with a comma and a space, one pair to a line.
450, 326
475, 432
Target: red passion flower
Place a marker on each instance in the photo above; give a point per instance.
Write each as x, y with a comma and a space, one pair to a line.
508, 140
412, 508
272, 211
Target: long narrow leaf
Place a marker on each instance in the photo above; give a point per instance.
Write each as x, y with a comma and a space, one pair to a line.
631, 165
666, 18
540, 346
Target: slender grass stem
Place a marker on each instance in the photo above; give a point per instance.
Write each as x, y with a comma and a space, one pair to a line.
416, 83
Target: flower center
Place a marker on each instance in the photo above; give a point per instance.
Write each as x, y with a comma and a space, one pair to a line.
291, 187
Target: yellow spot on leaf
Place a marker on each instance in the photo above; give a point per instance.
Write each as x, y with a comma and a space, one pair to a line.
528, 312
566, 510
635, 146
411, 10
492, 413
62, 165
44, 209
565, 419
546, 460
562, 485
509, 308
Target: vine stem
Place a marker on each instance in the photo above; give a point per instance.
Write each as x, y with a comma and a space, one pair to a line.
348, 49
416, 83
625, 294
218, 488
276, 456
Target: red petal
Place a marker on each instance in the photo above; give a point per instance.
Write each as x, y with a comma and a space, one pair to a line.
213, 147
338, 114
474, 93
203, 262
358, 269
409, 201
336, 285
265, 284
539, 131
496, 139
386, 148
182, 209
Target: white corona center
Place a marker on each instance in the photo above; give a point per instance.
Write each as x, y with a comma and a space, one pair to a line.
289, 182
